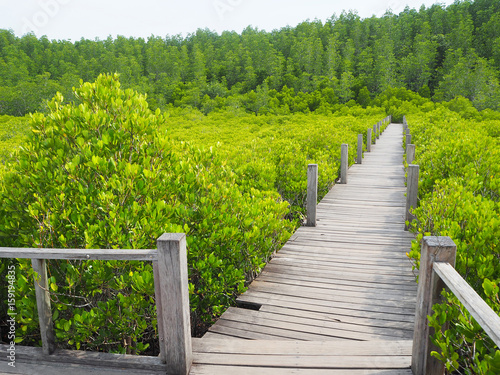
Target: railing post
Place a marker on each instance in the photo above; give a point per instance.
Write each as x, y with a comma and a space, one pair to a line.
410, 153
344, 163
378, 130
312, 194
411, 192
369, 141
375, 133
360, 149
408, 139
173, 301
43, 305
434, 249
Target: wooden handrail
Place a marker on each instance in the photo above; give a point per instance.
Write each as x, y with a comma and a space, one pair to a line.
474, 304
171, 291
437, 271
79, 254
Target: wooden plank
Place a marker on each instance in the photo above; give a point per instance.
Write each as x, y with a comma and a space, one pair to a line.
310, 348
479, 309
336, 281
204, 369
305, 324
241, 332
78, 254
351, 277
372, 326
320, 305
28, 355
353, 304
405, 305
345, 267
382, 294
273, 331
340, 316
293, 361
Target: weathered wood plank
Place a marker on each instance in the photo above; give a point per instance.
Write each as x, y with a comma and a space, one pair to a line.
312, 348
305, 324
293, 361
204, 369
78, 254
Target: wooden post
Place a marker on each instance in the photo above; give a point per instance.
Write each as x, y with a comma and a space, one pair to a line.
344, 163
375, 133
434, 249
410, 153
43, 305
378, 130
408, 139
174, 302
369, 141
312, 194
411, 192
360, 149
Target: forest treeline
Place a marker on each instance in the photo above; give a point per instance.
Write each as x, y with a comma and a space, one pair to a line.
440, 52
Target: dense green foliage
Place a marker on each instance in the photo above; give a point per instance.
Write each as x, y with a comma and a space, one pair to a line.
440, 52
458, 150
272, 152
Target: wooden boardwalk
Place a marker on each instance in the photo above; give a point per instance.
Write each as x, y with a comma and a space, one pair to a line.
339, 297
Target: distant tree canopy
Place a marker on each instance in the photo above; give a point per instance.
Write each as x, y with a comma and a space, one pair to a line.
440, 52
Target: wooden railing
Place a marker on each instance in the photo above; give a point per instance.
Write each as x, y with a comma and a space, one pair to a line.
437, 271
437, 262
171, 292
312, 169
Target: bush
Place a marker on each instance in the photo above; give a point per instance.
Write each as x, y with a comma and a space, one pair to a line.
98, 173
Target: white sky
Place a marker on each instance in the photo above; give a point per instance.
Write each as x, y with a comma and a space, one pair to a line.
74, 19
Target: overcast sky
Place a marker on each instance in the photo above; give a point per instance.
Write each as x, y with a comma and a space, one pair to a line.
74, 19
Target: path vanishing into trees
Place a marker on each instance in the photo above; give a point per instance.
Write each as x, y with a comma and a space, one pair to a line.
337, 298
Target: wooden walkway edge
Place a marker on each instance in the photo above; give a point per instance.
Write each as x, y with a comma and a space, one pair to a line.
337, 298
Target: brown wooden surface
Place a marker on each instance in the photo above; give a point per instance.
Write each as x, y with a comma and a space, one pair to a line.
337, 298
